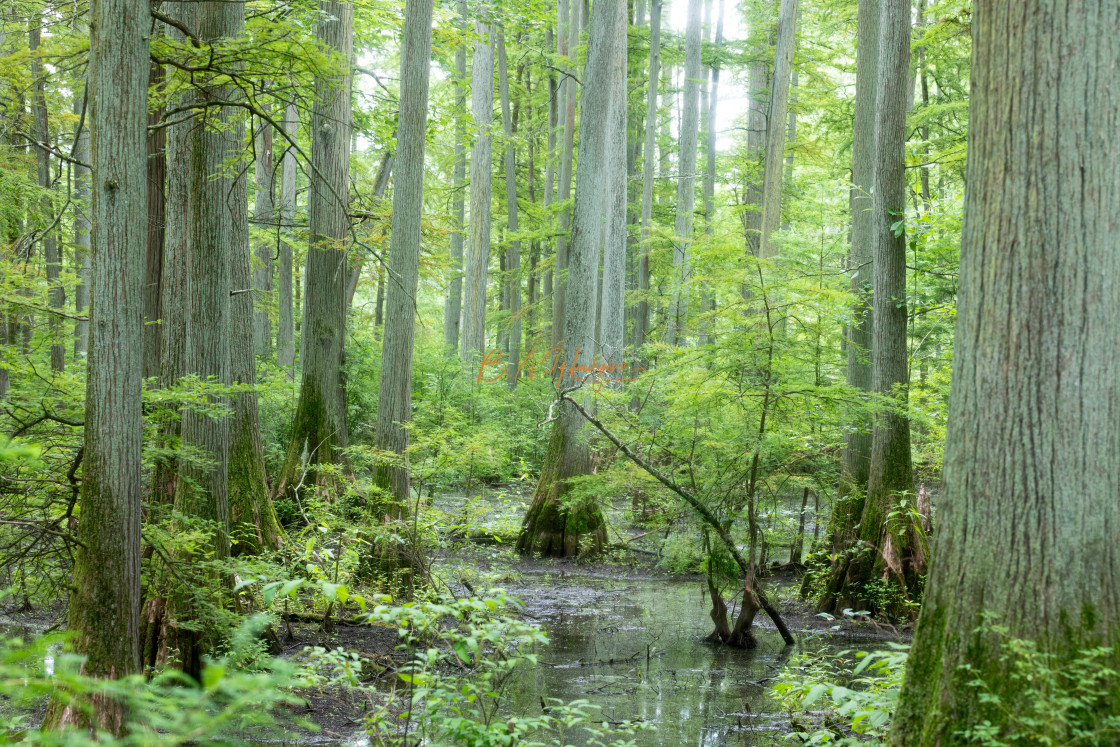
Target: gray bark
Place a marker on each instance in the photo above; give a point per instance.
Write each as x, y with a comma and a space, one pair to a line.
453, 308
612, 317
285, 332
264, 215
1029, 518
319, 429
776, 127
857, 444
513, 253
104, 610
478, 249
641, 313
686, 175
708, 299
756, 150
394, 404
569, 38
157, 219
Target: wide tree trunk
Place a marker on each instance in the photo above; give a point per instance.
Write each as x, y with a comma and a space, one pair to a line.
897, 555
612, 297
641, 311
453, 307
550, 527
1029, 517
776, 127
319, 429
104, 610
568, 44
285, 328
857, 439
686, 175
708, 301
478, 249
399, 562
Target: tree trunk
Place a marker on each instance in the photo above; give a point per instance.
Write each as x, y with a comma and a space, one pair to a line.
756, 156
103, 617
568, 41
708, 301
399, 562
641, 313
612, 317
686, 175
285, 332
81, 227
1029, 519
263, 215
319, 429
453, 308
513, 253
157, 219
857, 439
776, 127
254, 526
50, 238
891, 473
550, 527
478, 250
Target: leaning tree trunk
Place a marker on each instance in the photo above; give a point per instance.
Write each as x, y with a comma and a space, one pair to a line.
1029, 520
776, 128
857, 439
319, 429
453, 307
399, 562
104, 611
478, 249
686, 176
550, 527
895, 554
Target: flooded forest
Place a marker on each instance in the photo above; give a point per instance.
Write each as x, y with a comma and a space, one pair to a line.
549, 373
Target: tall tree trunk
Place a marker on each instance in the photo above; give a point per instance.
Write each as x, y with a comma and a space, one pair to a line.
394, 403
81, 226
641, 314
254, 526
104, 610
550, 527
857, 438
478, 249
157, 219
263, 215
759, 82
549, 168
612, 317
686, 175
776, 127
513, 253
891, 472
569, 41
43, 158
453, 308
319, 429
708, 301
1029, 519
285, 332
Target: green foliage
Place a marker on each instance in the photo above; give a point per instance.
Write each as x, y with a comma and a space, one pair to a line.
852, 695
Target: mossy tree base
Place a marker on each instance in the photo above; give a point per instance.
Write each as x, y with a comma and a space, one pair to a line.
551, 528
